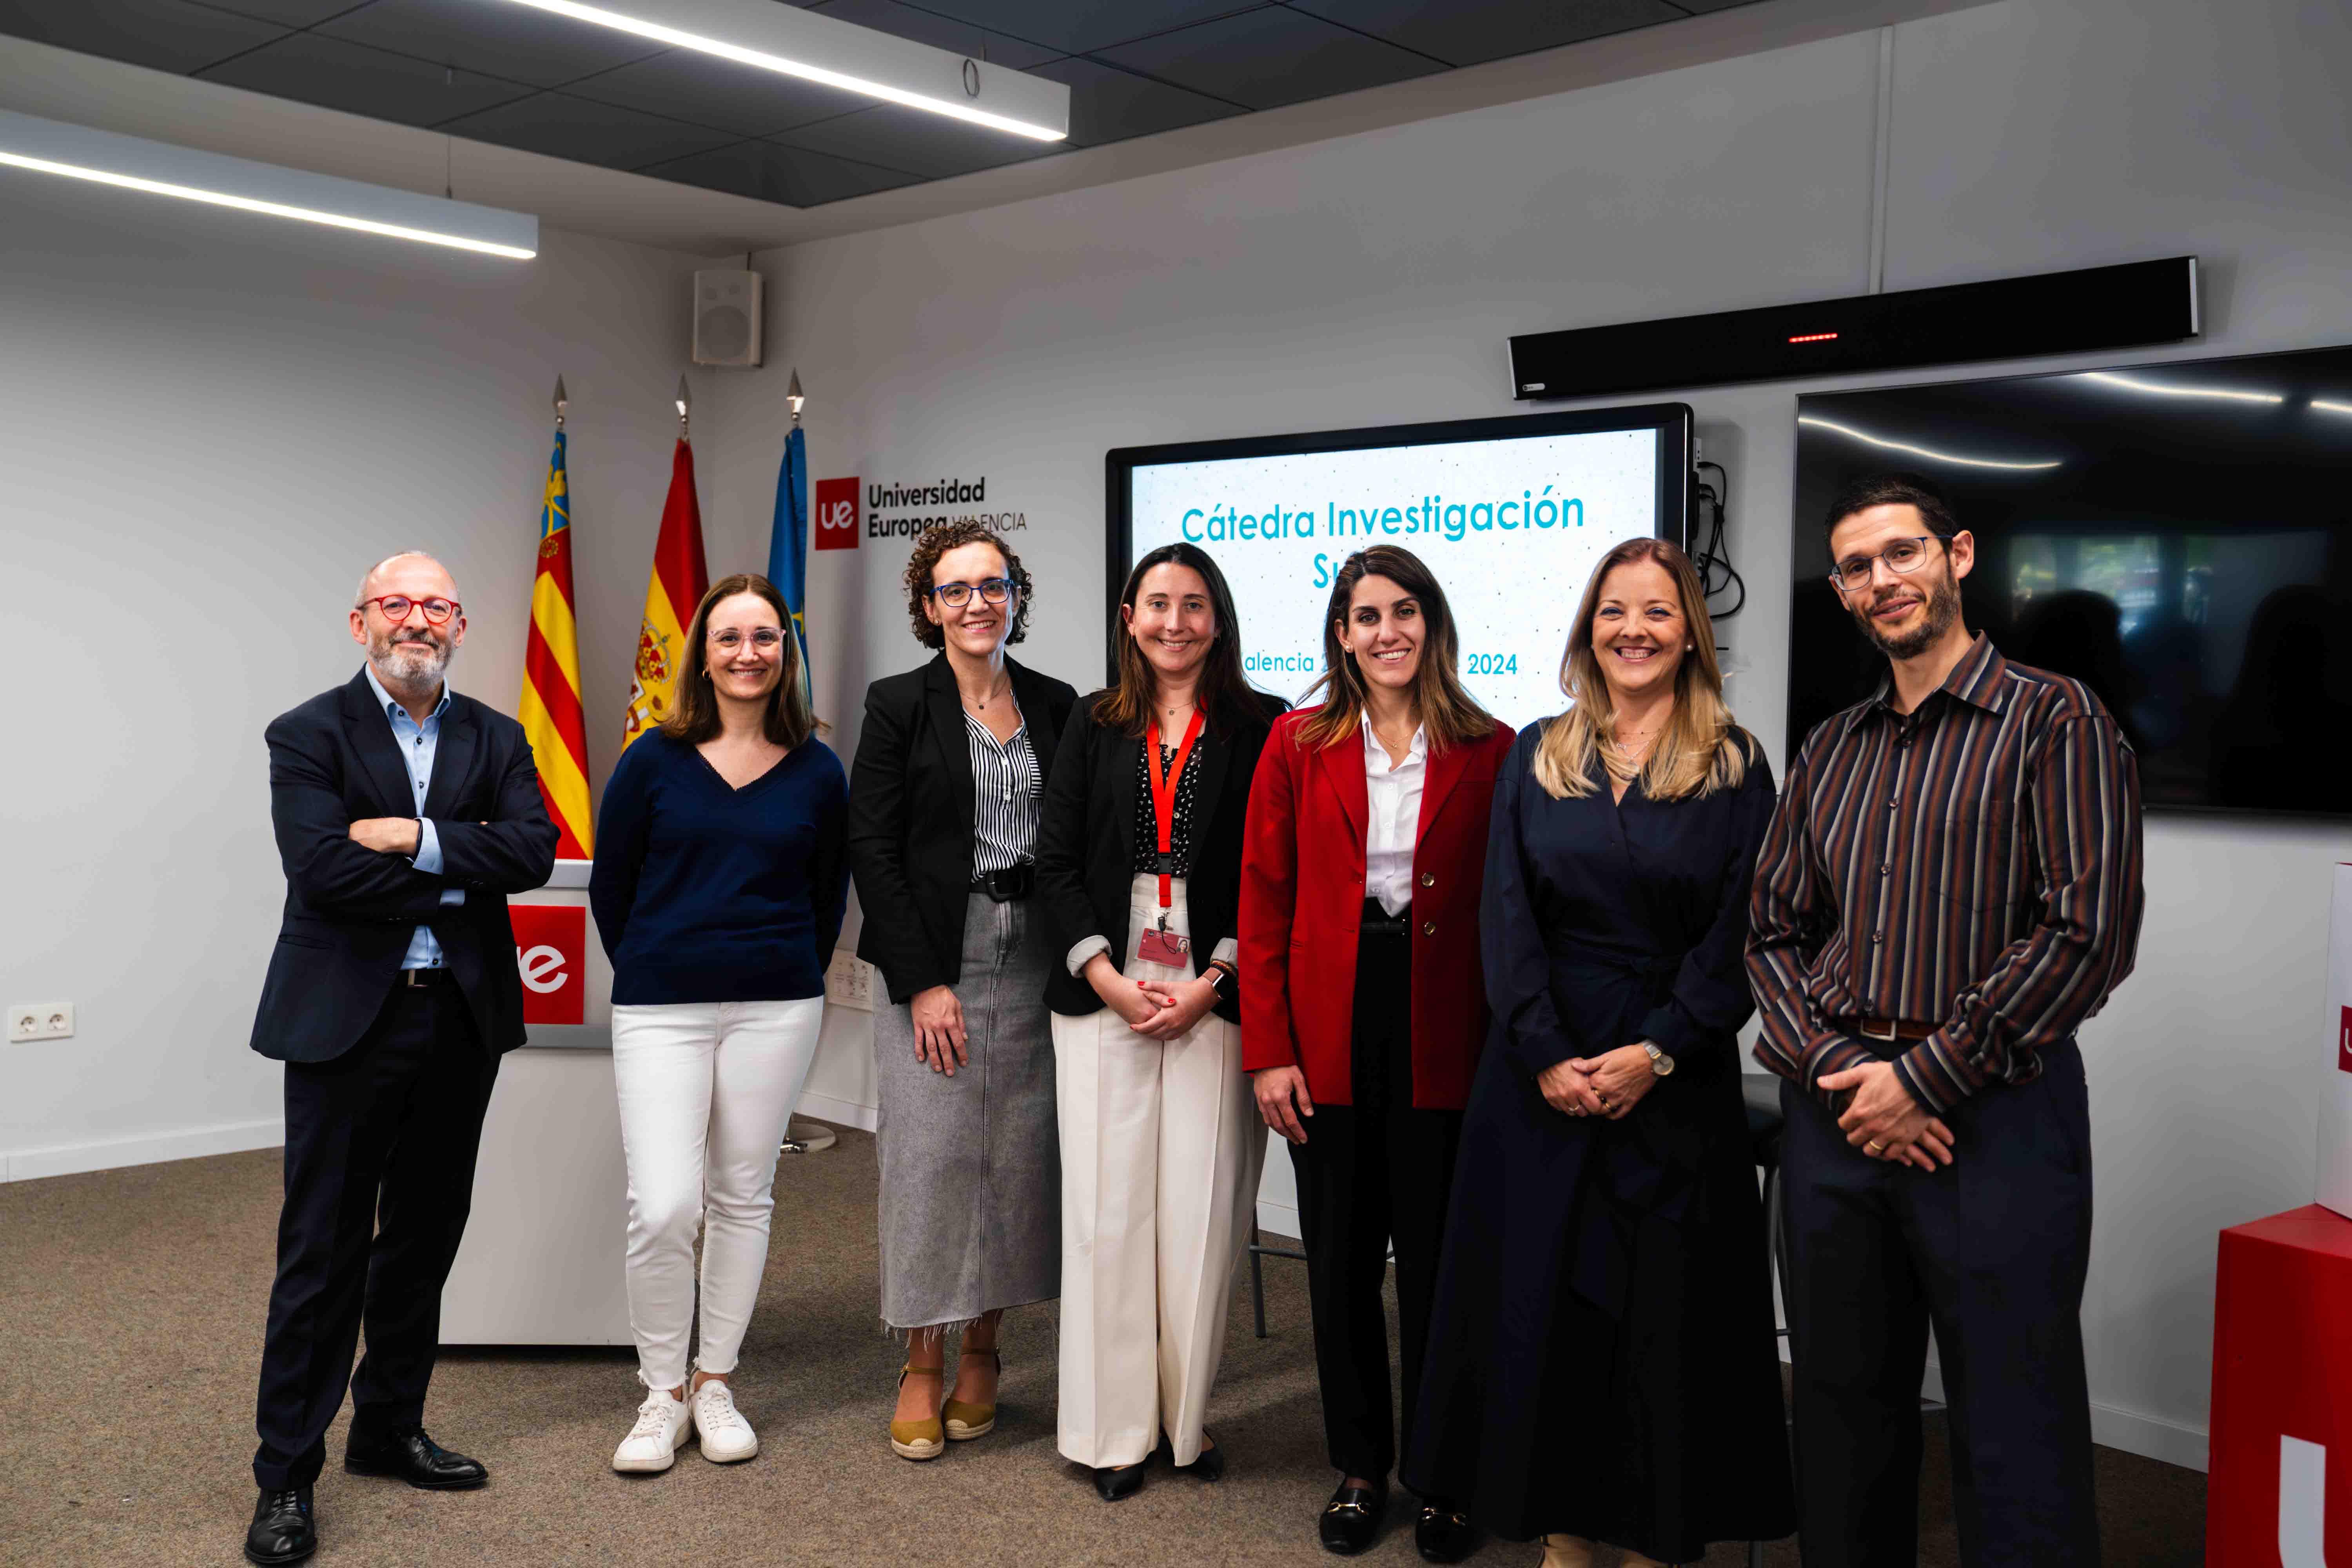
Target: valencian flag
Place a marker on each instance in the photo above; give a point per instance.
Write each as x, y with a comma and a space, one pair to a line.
679, 581
788, 541
549, 708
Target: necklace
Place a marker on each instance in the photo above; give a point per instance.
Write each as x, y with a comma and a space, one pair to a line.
1003, 686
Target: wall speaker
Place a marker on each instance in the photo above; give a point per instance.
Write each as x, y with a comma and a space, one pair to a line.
727, 317
2013, 318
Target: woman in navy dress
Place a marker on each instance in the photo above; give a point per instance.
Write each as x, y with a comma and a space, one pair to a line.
1600, 1363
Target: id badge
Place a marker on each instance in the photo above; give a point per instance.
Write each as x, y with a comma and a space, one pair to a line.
1163, 946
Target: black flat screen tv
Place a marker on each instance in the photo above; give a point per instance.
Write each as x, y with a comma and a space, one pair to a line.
2177, 536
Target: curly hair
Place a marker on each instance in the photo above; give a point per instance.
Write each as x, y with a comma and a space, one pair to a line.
938, 541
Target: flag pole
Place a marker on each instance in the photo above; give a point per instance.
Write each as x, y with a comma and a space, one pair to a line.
800, 1137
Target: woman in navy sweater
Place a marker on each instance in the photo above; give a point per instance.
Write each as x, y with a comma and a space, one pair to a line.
720, 881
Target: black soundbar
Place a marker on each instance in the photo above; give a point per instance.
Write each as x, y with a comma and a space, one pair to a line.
2054, 313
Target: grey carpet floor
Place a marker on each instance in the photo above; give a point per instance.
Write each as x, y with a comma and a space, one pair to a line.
131, 1311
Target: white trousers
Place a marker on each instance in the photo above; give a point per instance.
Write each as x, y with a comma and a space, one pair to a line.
1160, 1149
706, 1089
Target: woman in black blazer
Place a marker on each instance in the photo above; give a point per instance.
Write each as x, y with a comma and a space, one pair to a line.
1139, 864
943, 809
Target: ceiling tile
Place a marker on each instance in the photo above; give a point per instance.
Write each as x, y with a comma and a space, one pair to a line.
292, 12
1270, 57
360, 80
511, 41
791, 176
163, 34
684, 85
927, 144
566, 127
1110, 105
940, 32
1084, 26
1466, 31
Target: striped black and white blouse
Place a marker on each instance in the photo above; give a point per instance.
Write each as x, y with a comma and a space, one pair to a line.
1006, 787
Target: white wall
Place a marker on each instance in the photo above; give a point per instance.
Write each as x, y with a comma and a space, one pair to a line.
1374, 278
209, 425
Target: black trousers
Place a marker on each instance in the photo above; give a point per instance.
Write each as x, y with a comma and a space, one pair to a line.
1369, 1172
1993, 1250
380, 1146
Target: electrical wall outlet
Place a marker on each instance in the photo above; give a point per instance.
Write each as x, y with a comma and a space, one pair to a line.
849, 981
30, 1021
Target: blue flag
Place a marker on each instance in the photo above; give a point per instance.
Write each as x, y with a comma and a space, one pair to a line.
788, 543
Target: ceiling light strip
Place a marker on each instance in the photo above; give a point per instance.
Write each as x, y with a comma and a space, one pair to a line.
160, 168
862, 60
2330, 405
1927, 452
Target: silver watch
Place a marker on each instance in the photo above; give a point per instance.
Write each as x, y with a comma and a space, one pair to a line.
1660, 1063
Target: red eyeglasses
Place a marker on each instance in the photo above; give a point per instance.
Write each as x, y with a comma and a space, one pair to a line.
395, 607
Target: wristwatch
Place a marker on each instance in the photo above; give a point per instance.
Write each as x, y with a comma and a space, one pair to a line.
1660, 1063
1216, 975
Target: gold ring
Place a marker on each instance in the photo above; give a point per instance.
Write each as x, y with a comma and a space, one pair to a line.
1875, 1147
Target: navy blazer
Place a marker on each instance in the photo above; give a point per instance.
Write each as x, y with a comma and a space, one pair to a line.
350, 910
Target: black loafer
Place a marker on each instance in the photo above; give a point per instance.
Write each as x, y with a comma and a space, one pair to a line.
1208, 1465
1444, 1532
413, 1458
1113, 1482
283, 1530
1351, 1520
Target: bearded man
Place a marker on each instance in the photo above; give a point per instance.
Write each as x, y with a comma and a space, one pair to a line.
405, 814
1951, 886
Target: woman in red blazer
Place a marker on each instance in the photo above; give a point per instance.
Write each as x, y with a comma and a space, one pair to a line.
1363, 861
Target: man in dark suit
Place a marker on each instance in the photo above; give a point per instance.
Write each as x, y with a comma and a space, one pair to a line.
405, 814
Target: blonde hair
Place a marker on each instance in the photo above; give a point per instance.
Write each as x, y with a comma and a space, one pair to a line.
1445, 708
1702, 749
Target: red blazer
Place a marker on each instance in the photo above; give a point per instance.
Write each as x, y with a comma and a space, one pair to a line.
1302, 905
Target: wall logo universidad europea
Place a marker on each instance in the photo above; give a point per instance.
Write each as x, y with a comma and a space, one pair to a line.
835, 514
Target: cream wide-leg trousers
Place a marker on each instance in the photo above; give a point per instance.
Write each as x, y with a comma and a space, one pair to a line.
1161, 1146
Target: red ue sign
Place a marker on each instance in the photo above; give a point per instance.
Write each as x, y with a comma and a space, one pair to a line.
835, 511
2344, 1040
551, 951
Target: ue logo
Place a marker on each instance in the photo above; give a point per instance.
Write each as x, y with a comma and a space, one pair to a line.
550, 952
2344, 1040
836, 513
2302, 1504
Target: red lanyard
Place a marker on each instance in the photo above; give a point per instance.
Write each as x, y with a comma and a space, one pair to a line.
1163, 799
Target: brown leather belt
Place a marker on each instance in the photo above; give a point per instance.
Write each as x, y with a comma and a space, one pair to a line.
1888, 1030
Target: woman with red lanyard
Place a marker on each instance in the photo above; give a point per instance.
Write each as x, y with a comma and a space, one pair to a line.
1138, 863
1365, 858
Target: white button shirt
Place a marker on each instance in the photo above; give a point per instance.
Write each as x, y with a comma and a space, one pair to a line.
1394, 796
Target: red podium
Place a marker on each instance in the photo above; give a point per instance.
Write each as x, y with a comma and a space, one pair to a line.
2279, 1492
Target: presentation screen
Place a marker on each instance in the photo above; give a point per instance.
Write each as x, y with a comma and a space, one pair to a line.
1510, 514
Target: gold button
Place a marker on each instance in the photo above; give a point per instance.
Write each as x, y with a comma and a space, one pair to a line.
1429, 878
1429, 928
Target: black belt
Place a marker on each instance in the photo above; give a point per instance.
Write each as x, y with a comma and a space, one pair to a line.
1011, 883
1378, 921
418, 979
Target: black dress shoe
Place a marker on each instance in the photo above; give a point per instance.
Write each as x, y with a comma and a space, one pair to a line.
1351, 1520
1114, 1482
1208, 1465
282, 1530
1444, 1534
418, 1459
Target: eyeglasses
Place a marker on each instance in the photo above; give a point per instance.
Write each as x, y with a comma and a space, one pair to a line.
766, 640
956, 595
395, 607
1902, 557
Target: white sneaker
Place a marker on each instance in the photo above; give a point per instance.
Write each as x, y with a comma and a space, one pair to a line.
727, 1437
653, 1443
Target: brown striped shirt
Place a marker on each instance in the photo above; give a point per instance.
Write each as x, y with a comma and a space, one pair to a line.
1974, 865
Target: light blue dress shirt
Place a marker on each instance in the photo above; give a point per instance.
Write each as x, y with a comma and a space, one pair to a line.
417, 743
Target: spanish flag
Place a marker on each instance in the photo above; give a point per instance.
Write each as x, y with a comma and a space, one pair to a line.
550, 709
679, 581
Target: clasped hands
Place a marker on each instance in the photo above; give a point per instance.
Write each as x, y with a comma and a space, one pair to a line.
1157, 1010
1609, 1085
1884, 1122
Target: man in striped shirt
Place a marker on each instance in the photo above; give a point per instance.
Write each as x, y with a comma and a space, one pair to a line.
1950, 886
